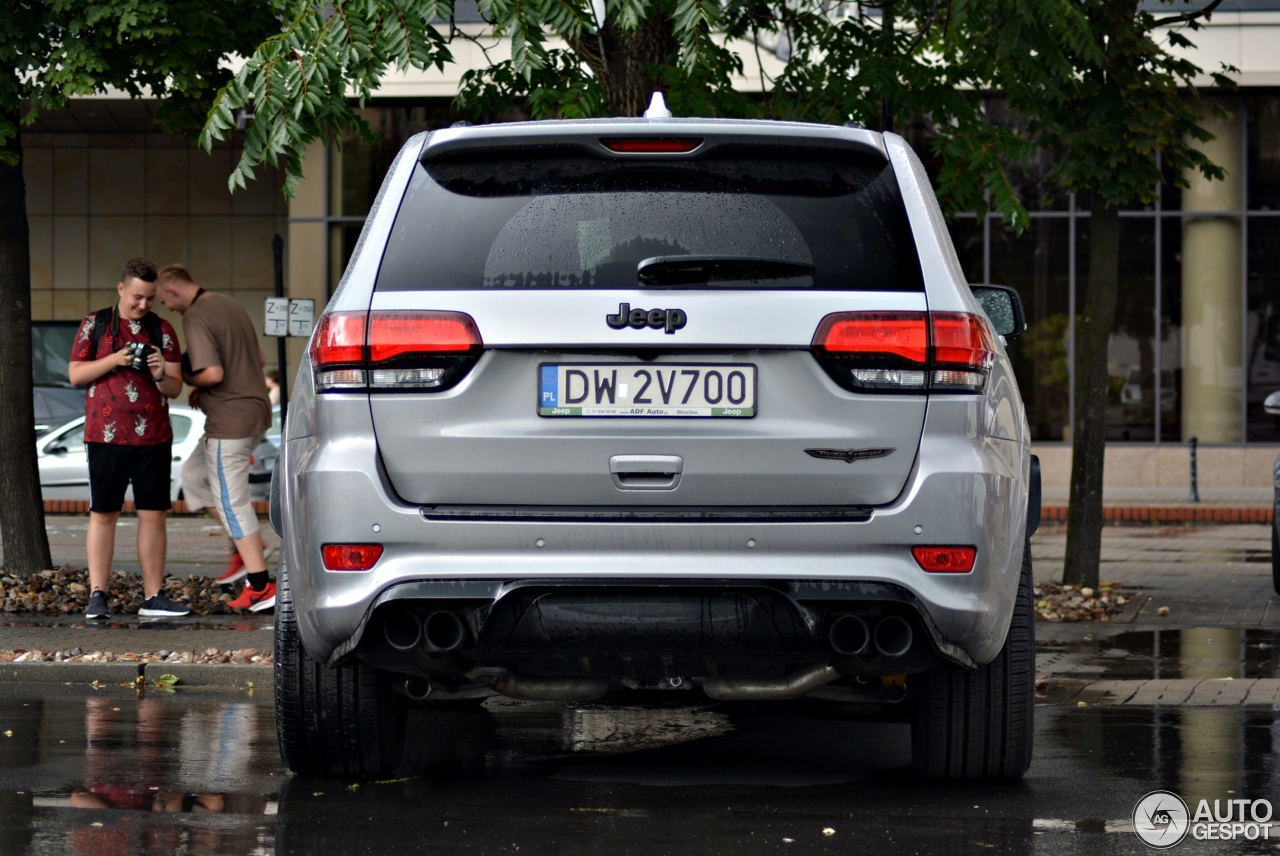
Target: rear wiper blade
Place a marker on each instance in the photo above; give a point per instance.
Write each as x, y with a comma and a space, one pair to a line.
679, 270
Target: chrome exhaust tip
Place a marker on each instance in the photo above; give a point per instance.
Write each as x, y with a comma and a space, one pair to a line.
402, 630
443, 632
893, 636
849, 635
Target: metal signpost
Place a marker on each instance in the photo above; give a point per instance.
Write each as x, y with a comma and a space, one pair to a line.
285, 317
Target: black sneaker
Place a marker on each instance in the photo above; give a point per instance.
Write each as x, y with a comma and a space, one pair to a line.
159, 606
97, 607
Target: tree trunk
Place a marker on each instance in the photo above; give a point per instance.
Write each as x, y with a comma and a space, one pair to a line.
26, 544
620, 61
1088, 434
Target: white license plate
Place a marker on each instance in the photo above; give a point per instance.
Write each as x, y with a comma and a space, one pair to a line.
631, 389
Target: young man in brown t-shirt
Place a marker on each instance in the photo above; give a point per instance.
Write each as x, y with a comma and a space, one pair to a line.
223, 364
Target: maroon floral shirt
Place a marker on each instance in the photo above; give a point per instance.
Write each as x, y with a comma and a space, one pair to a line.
124, 407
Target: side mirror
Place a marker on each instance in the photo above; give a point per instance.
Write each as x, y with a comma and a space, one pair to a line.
1003, 306
1272, 404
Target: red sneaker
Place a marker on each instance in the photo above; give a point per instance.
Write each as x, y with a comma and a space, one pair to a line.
234, 570
256, 601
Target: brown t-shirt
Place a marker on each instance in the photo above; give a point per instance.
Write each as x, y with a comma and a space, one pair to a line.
219, 333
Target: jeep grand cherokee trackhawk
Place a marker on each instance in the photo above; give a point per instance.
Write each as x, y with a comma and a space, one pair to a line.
616, 406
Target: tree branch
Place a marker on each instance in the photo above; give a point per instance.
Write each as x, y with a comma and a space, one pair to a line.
1188, 17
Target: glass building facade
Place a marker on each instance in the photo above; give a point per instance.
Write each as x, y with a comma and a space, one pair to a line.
1196, 344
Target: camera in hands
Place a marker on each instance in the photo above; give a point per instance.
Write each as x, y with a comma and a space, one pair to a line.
139, 351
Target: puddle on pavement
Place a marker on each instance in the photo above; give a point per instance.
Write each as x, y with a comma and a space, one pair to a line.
1192, 653
1197, 752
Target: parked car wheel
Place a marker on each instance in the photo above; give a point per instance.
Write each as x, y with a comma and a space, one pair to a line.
1275, 554
331, 721
979, 725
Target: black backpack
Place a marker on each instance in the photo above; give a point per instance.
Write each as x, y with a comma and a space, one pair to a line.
104, 318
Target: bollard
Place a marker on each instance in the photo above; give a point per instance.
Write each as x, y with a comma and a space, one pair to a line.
1195, 488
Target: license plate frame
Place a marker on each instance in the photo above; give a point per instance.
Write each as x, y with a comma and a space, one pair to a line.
648, 390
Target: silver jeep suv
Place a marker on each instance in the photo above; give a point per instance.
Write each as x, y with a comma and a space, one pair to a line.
657, 405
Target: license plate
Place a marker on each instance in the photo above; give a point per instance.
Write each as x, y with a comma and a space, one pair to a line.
629, 389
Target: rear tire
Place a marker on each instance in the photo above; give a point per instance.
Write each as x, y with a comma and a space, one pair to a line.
1275, 528
1275, 553
979, 725
344, 721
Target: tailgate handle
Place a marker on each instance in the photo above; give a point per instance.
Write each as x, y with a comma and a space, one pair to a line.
646, 472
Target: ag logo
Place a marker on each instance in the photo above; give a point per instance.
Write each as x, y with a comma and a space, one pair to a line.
1161, 819
669, 320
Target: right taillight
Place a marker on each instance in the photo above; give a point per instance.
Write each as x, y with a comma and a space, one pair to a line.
410, 351
905, 351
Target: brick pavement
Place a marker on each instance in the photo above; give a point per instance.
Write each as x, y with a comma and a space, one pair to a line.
1201, 621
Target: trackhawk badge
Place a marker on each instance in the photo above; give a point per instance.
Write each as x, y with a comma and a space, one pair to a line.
848, 455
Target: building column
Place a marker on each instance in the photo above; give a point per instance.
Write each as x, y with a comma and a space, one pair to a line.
305, 245
1212, 379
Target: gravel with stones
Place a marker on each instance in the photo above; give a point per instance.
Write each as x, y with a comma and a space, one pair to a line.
209, 656
1058, 602
65, 591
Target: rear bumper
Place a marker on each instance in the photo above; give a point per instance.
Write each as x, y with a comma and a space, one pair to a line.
970, 491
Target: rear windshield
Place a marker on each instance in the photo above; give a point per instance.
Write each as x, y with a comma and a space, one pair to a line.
823, 220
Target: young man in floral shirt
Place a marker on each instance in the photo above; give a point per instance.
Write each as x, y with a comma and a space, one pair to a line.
127, 431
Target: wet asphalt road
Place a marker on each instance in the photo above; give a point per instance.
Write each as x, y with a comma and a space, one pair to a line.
196, 772
103, 772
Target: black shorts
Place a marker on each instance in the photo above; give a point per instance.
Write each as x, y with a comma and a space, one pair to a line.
113, 467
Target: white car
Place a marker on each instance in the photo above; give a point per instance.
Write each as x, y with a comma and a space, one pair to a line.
64, 461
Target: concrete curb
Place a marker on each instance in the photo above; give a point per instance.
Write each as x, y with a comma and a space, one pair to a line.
189, 674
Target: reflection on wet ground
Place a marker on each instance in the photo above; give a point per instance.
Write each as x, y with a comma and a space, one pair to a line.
1194, 653
107, 773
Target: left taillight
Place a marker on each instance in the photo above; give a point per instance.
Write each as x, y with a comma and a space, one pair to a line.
905, 351
410, 351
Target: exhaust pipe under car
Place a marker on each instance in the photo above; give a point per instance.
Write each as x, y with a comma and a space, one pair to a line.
794, 685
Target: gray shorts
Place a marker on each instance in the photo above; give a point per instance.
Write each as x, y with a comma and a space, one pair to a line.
216, 476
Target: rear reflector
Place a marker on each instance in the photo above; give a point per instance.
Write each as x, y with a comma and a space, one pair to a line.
396, 351
350, 557
642, 145
906, 351
945, 560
